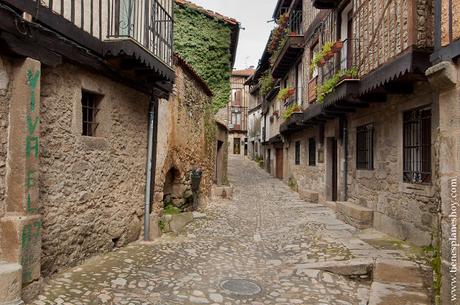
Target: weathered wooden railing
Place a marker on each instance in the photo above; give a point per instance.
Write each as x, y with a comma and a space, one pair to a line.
147, 22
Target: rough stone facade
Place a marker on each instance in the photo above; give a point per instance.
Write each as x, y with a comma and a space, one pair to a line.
91, 188
407, 211
445, 79
186, 135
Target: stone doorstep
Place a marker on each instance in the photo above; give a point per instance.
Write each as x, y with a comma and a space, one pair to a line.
10, 284
309, 196
347, 268
355, 215
331, 204
394, 294
405, 273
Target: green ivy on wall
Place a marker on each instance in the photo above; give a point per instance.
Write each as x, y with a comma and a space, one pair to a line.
205, 44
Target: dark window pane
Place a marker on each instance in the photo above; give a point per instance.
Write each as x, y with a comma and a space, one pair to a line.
417, 145
312, 152
365, 147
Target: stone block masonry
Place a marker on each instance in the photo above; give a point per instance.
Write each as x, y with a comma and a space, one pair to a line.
21, 225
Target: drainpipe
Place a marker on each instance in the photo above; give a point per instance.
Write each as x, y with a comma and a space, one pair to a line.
345, 165
151, 164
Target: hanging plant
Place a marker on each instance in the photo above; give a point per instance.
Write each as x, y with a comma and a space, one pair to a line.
266, 83
328, 86
285, 93
338, 45
291, 110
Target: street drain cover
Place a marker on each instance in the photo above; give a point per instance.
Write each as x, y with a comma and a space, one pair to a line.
240, 287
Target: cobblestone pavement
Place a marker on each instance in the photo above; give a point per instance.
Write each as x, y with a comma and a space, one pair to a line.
265, 235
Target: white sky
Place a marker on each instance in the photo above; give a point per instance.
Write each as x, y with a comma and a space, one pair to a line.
253, 16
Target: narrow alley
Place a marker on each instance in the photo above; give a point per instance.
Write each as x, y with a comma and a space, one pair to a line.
257, 248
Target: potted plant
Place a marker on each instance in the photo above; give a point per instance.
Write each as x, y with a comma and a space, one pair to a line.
285, 93
294, 108
327, 50
338, 45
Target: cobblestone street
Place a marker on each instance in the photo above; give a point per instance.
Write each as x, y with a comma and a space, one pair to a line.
266, 235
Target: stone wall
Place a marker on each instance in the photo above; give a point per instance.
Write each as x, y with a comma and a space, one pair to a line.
303, 176
91, 188
445, 21
5, 96
186, 135
444, 77
407, 211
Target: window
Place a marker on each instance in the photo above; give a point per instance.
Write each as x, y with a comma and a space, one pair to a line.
89, 102
237, 98
417, 145
298, 77
297, 153
365, 147
311, 152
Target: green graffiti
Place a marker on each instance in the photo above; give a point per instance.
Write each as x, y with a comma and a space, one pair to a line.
32, 81
29, 205
32, 125
30, 179
32, 144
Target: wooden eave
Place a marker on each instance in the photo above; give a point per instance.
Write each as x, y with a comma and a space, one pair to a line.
52, 40
325, 4
449, 52
293, 124
292, 50
409, 65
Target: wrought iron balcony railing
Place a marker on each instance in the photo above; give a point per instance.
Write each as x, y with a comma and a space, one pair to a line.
149, 23
145, 21
295, 23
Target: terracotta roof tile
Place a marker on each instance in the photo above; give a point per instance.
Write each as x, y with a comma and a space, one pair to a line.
210, 13
245, 72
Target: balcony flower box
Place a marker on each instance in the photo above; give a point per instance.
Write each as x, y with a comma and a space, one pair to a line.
338, 45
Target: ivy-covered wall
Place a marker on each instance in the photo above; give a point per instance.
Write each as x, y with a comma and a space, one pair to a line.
204, 43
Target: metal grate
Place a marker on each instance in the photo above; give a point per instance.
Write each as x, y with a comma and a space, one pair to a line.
89, 102
365, 147
311, 152
297, 152
417, 145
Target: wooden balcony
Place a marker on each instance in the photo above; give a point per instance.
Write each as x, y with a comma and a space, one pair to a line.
312, 85
292, 50
325, 4
132, 38
447, 31
293, 124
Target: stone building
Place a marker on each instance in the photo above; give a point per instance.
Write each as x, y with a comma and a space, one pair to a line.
444, 78
85, 103
361, 128
255, 126
76, 89
186, 141
237, 112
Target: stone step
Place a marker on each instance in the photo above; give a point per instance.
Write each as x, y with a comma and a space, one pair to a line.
398, 282
358, 216
309, 196
10, 284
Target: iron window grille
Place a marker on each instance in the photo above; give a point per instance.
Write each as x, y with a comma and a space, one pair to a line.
365, 147
90, 110
311, 152
417, 145
297, 152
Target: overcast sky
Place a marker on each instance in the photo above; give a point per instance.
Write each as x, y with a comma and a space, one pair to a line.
253, 16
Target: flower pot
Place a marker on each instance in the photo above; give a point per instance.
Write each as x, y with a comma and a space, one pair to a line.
321, 62
338, 45
328, 56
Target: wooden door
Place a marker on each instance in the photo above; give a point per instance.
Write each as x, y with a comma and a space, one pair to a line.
236, 146
279, 163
